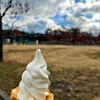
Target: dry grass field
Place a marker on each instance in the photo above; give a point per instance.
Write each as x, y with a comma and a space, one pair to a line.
75, 71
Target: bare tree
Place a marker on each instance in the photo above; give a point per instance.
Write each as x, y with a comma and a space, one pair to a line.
11, 8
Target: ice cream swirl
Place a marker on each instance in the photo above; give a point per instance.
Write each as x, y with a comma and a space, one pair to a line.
35, 80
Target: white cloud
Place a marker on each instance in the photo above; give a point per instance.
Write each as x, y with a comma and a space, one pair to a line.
51, 24
42, 11
44, 8
93, 27
76, 14
92, 7
96, 17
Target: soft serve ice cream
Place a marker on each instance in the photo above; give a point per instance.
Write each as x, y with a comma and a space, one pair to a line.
35, 80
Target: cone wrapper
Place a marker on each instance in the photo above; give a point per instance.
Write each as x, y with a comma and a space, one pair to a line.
15, 92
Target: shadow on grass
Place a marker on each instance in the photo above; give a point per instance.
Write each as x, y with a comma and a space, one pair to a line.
10, 75
75, 84
94, 55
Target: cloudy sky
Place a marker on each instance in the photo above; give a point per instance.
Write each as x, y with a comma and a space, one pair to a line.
43, 14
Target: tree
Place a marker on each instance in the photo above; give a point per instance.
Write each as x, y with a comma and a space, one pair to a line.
49, 35
1, 42
11, 8
75, 33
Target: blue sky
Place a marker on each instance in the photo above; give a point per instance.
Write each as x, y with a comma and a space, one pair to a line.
82, 14
60, 19
77, 1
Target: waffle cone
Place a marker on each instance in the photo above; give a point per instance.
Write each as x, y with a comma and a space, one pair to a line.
15, 92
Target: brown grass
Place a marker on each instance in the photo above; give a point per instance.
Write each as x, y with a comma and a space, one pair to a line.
74, 69
63, 56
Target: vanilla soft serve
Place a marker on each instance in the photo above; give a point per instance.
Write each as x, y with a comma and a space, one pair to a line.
35, 80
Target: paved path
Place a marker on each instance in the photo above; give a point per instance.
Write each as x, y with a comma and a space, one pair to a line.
3, 95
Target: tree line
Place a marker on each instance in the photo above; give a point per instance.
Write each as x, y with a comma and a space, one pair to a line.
70, 37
